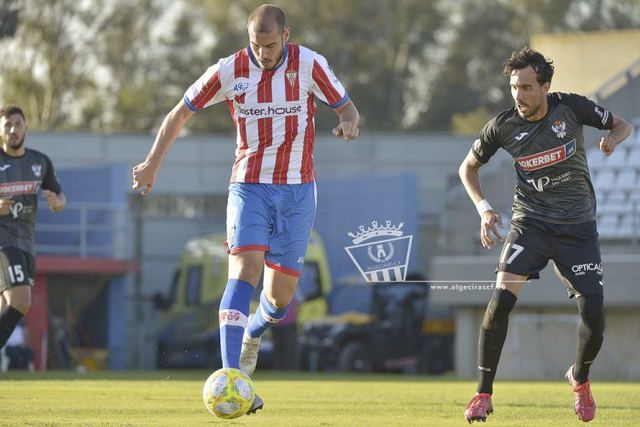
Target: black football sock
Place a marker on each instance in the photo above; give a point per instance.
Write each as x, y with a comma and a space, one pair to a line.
8, 321
590, 334
492, 336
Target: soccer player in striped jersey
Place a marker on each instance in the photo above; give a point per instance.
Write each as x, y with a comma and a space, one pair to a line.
553, 215
271, 88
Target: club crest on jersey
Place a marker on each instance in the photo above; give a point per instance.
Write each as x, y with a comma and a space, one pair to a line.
37, 169
560, 128
547, 158
291, 76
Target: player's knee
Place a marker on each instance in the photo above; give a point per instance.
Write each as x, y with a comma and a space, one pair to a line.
246, 268
20, 299
278, 298
499, 307
276, 310
591, 308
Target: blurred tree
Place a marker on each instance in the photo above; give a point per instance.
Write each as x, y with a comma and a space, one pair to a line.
81, 65
38, 66
471, 79
127, 82
187, 56
9, 18
469, 123
482, 35
116, 65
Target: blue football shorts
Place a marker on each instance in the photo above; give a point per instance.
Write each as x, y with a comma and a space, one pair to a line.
274, 218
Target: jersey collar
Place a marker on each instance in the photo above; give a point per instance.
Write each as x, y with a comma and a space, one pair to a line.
282, 60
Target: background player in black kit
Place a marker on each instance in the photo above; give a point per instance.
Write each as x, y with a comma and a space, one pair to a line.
553, 215
22, 173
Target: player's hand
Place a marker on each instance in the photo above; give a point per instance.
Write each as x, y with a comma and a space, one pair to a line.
144, 176
55, 201
5, 205
489, 228
347, 130
607, 145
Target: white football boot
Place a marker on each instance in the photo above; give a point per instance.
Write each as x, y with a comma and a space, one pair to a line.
249, 354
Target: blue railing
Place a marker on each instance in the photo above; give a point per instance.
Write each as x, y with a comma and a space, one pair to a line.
85, 229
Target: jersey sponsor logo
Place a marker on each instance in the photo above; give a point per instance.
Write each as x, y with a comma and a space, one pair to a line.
37, 169
4, 167
560, 128
17, 188
540, 183
582, 269
548, 157
241, 86
15, 209
271, 110
522, 135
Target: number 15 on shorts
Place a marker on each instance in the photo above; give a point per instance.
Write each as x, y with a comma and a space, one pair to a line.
16, 274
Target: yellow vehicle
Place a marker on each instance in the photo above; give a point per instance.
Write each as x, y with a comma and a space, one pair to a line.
188, 335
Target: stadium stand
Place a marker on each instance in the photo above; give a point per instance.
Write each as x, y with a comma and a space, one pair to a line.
616, 180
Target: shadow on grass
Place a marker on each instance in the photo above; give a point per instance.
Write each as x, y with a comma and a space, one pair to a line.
200, 375
559, 406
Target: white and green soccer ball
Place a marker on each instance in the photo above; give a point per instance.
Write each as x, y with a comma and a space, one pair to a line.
228, 393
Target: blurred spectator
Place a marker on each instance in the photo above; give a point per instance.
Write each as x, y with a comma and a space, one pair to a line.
17, 353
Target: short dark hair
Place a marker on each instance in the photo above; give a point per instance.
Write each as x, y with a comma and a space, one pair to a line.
529, 57
10, 110
265, 16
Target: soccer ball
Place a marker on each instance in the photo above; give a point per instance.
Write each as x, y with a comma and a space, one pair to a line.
228, 393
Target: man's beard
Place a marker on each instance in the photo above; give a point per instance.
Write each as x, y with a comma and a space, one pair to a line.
531, 112
18, 145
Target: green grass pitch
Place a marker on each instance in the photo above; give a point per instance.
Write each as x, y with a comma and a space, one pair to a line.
171, 398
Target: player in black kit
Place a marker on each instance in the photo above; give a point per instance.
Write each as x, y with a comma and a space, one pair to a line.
554, 212
22, 173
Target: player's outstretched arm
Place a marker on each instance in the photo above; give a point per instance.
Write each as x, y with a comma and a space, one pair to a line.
145, 173
56, 202
349, 119
620, 130
489, 219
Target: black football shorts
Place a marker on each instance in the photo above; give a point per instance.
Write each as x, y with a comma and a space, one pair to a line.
573, 248
18, 268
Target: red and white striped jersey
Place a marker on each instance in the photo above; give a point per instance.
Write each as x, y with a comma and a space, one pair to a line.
273, 111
